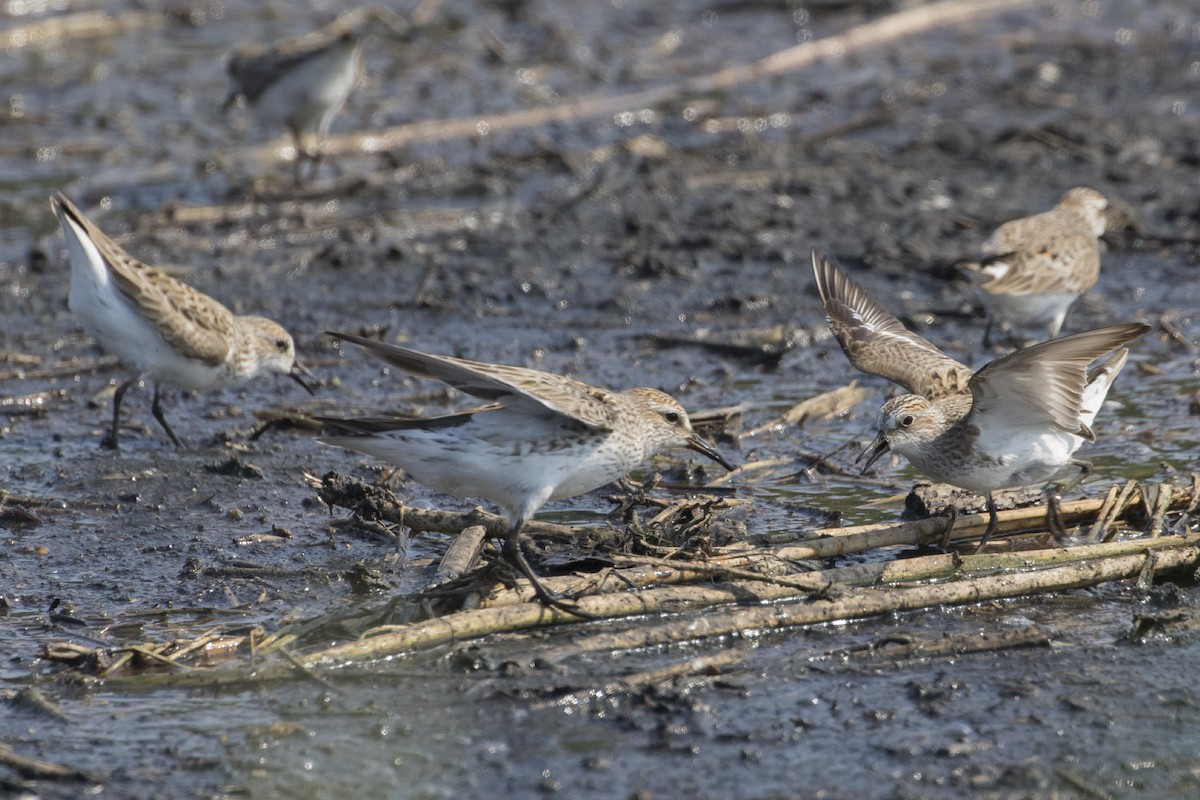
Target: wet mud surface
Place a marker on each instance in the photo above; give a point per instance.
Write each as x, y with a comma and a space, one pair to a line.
588, 246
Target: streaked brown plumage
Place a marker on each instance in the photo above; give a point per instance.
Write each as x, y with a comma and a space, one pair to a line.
1015, 422
543, 437
1034, 268
164, 329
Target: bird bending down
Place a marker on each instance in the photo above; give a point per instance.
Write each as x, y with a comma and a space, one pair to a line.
302, 83
1015, 422
164, 329
1034, 268
542, 437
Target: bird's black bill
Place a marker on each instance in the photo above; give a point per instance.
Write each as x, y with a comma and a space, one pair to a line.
298, 373
706, 448
875, 450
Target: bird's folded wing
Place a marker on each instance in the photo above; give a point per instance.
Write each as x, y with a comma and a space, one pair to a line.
193, 323
1059, 262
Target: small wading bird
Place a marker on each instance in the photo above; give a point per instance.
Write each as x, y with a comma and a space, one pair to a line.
1034, 268
1015, 422
543, 437
301, 84
164, 329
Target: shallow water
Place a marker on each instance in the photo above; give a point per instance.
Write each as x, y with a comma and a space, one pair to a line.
564, 246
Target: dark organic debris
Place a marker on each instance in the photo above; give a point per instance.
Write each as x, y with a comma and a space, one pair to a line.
234, 467
765, 346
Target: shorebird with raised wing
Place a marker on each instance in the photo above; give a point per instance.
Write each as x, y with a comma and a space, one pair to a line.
1015, 422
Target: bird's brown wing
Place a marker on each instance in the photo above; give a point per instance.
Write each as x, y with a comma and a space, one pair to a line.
877, 343
513, 387
1045, 382
192, 322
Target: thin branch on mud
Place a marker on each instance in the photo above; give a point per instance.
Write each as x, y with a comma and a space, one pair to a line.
1085, 787
892, 649
1172, 330
640, 681
81, 25
952, 644
744, 588
827, 404
460, 555
35, 768
30, 698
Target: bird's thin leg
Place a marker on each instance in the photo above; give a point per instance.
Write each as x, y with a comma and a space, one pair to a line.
1053, 499
156, 409
298, 162
515, 556
314, 158
945, 543
113, 442
987, 332
1054, 519
1056, 325
993, 522
1085, 469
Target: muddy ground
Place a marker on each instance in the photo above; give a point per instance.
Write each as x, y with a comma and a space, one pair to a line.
569, 246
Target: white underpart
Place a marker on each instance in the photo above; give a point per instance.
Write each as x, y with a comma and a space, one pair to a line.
506, 457
1018, 454
1030, 309
1017, 457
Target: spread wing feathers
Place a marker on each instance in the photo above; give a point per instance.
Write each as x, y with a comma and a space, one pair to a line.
193, 323
1099, 381
1046, 382
877, 343
517, 388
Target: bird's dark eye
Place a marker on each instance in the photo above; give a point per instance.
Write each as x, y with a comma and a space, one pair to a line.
281, 345
906, 420
672, 417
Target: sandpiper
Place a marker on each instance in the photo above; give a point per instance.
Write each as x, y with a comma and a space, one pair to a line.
165, 330
542, 437
1015, 422
1034, 268
301, 83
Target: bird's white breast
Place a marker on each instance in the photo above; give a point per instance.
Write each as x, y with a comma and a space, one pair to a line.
1003, 458
1030, 309
518, 461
